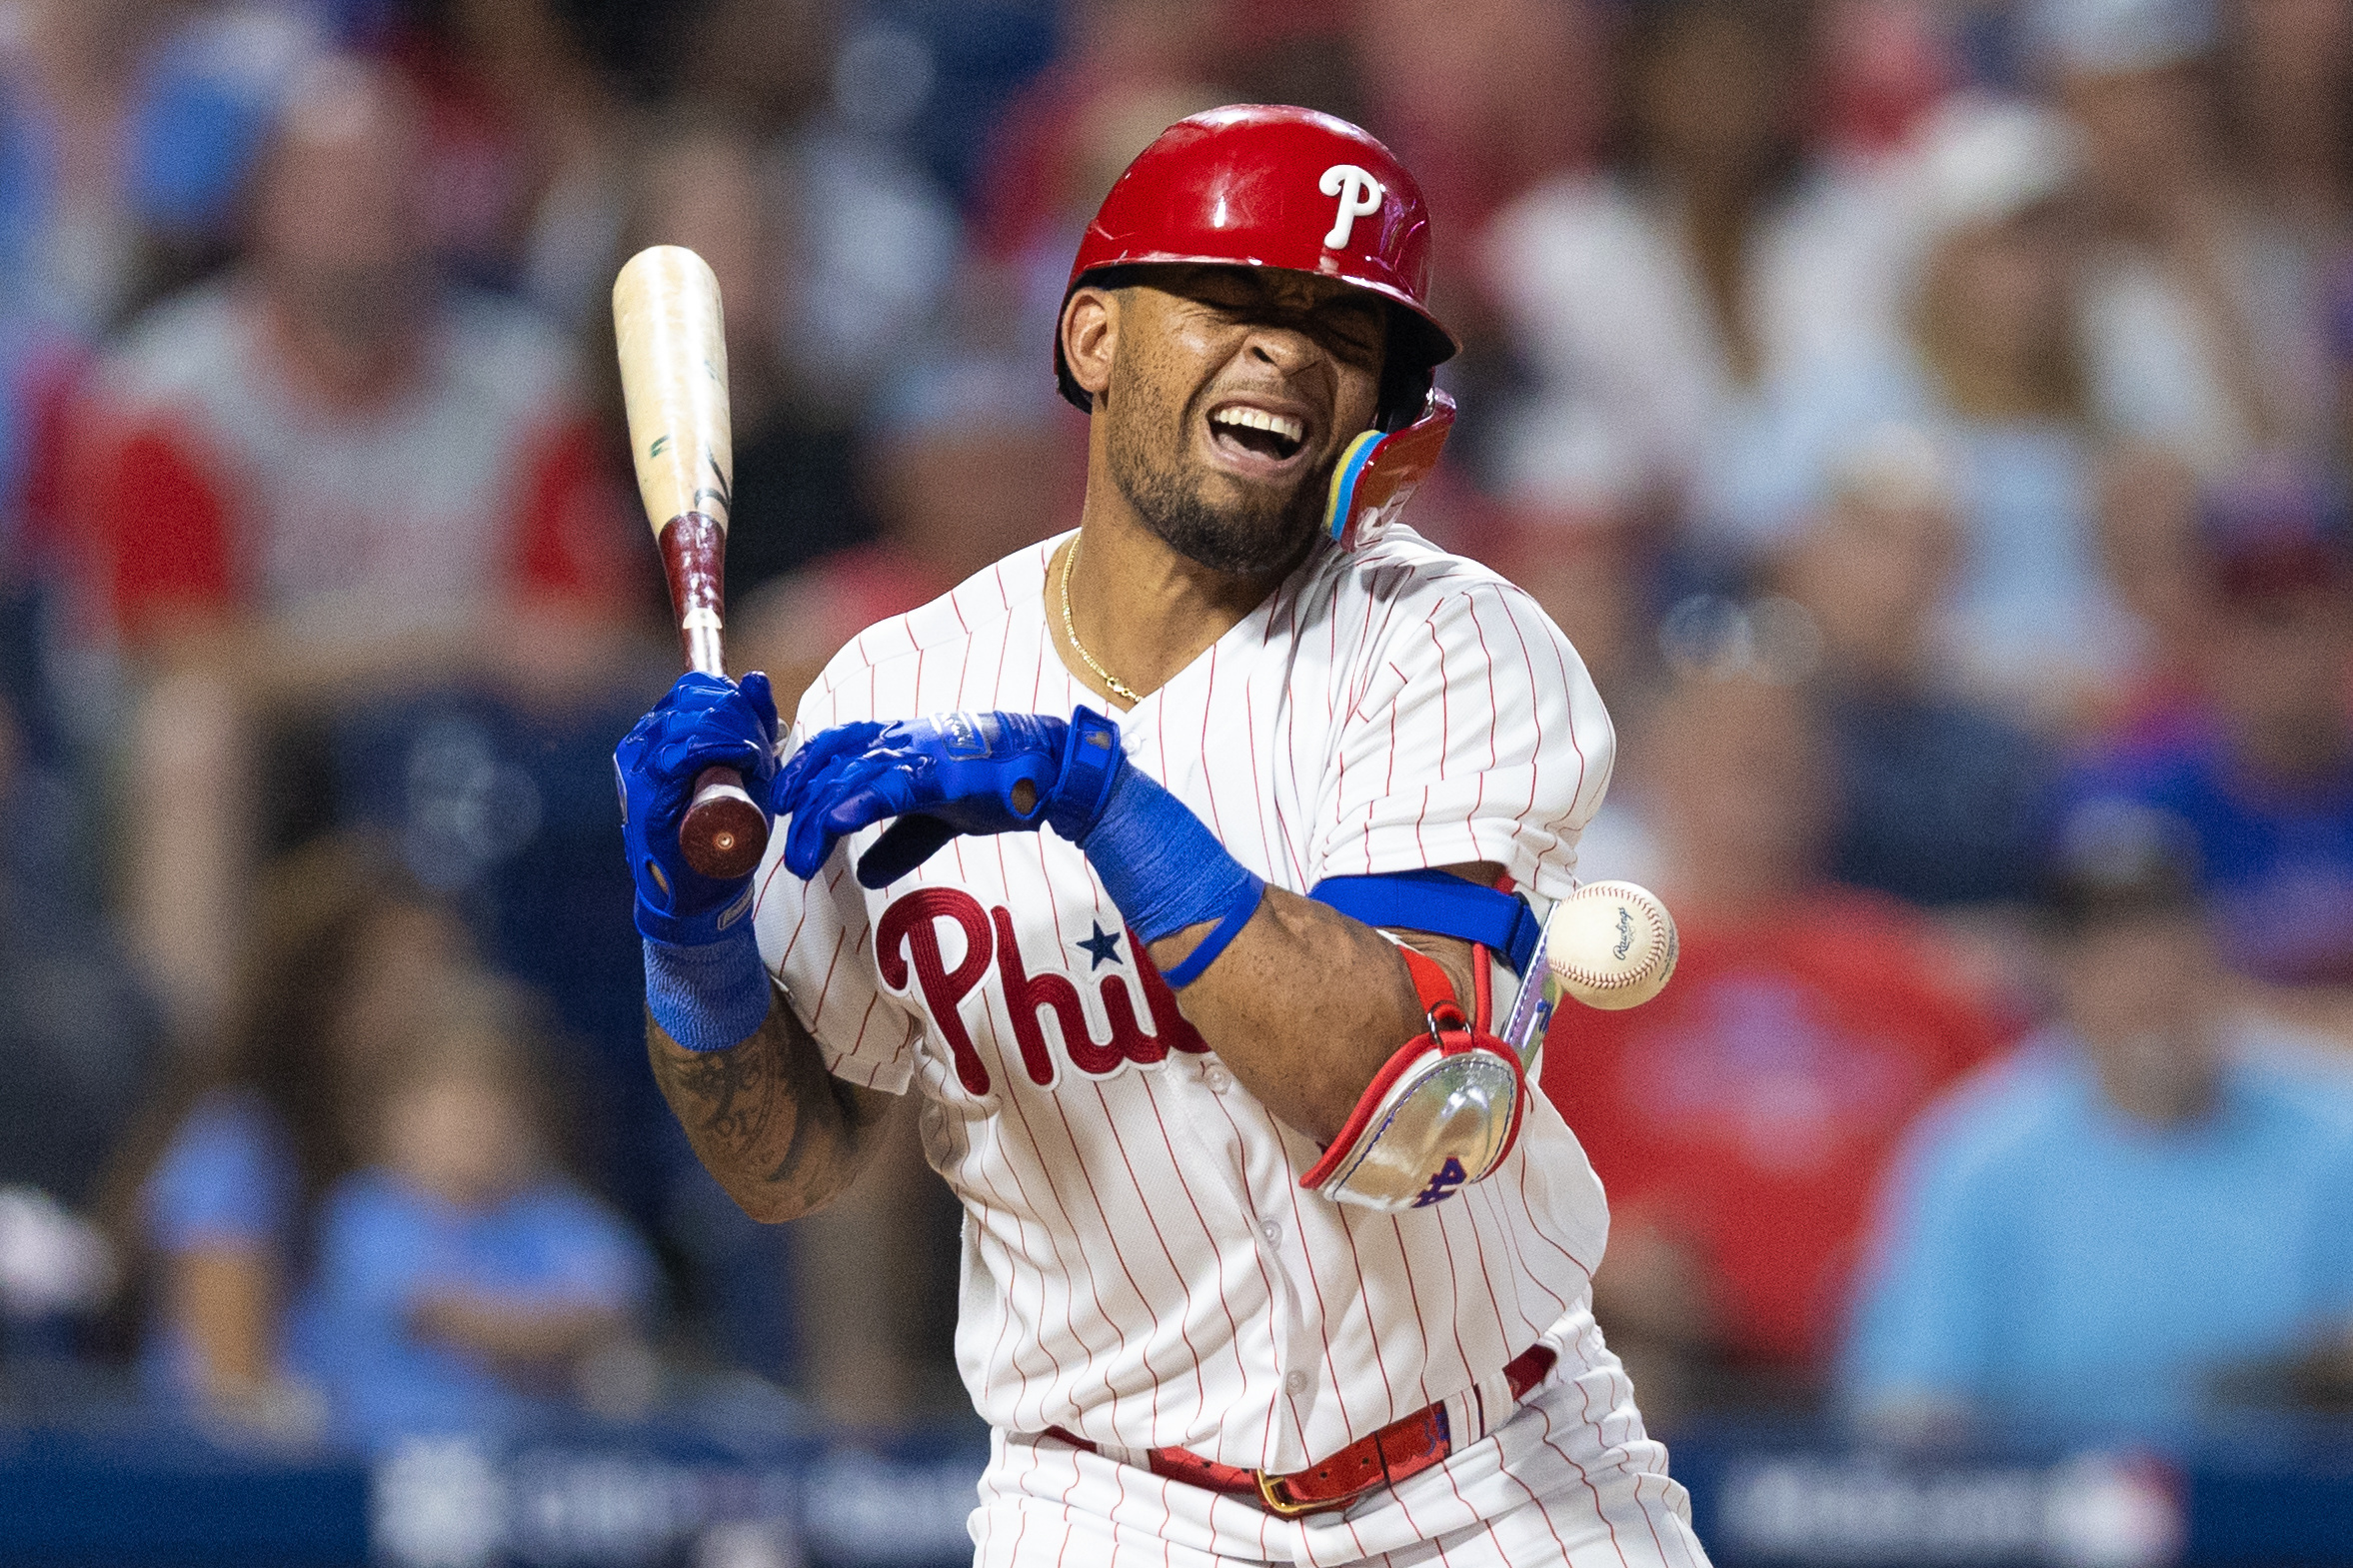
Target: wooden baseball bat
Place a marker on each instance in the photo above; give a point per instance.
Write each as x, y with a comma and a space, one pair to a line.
667, 320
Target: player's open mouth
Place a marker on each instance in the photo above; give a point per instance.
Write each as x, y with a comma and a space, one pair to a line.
1238, 428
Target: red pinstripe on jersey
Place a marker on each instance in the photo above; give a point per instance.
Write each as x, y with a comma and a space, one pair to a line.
1144, 1269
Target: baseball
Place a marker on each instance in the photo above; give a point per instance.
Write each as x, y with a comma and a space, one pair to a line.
1611, 944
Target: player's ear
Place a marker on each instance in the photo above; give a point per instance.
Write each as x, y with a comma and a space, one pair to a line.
1090, 337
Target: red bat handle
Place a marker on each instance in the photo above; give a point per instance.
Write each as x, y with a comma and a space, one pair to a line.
724, 833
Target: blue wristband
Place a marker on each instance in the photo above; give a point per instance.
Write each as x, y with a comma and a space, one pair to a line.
1162, 867
711, 997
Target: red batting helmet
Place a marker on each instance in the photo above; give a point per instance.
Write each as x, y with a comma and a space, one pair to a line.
1268, 185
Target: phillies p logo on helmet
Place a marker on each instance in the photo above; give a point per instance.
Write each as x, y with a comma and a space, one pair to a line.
1360, 197
1237, 187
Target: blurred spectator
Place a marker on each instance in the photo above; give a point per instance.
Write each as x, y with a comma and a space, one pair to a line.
1482, 101
127, 131
1665, 303
1885, 65
1988, 365
2200, 316
971, 459
2095, 1229
463, 1284
214, 1194
2289, 73
524, 142
52, 1262
711, 187
1739, 1119
76, 1036
2264, 777
2340, 329
1594, 572
765, 64
1130, 69
1938, 795
322, 477
2156, 562
861, 248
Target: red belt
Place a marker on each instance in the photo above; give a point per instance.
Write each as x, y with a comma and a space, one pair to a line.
1402, 1448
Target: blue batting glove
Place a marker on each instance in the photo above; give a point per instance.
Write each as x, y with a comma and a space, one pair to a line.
943, 776
701, 722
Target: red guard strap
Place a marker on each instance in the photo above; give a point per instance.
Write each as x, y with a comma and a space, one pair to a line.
1436, 990
1449, 1030
1432, 984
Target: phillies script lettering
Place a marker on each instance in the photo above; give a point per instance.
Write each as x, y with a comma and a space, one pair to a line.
908, 947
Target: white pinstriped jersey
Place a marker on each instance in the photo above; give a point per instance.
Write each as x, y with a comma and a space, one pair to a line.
1141, 1264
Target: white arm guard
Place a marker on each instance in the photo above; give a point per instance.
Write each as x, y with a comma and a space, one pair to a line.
1442, 1113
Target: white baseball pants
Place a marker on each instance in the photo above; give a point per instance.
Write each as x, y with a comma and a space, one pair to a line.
1570, 1478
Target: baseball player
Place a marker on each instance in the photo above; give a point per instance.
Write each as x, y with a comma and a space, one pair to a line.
1189, 865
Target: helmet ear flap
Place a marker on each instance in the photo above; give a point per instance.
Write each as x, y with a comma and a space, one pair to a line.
1406, 380
1409, 370
1378, 474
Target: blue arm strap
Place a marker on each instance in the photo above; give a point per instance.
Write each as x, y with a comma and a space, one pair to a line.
1205, 952
1437, 902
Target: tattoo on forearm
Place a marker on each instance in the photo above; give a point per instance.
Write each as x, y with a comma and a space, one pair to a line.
730, 1088
767, 1118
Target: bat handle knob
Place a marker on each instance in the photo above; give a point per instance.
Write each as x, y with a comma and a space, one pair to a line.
723, 835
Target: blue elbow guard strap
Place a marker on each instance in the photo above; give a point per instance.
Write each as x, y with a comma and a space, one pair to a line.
1442, 904
1166, 870
711, 997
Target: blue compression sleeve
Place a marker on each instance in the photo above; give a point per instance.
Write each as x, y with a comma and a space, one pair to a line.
710, 997
1163, 868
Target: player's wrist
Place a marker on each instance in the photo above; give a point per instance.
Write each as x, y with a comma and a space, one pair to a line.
1166, 871
708, 996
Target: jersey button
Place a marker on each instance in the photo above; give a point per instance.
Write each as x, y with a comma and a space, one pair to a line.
1297, 1383
1219, 1080
1272, 1231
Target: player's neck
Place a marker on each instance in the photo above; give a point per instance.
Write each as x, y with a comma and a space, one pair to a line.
1141, 610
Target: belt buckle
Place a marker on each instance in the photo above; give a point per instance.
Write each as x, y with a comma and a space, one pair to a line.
1288, 1508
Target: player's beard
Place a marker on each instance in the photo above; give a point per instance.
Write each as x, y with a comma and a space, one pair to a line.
1263, 532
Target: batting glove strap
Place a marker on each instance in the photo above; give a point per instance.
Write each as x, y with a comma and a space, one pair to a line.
1092, 760
1442, 1113
711, 997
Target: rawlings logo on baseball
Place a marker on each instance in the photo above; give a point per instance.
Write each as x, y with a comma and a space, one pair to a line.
1611, 944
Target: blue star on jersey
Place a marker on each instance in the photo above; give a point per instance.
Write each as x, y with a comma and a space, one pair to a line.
1102, 946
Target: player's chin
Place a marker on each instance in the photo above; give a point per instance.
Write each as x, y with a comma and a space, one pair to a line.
1249, 536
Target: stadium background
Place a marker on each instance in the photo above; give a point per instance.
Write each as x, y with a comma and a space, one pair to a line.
1927, 417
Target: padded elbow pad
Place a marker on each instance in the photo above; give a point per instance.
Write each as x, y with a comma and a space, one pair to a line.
1442, 1113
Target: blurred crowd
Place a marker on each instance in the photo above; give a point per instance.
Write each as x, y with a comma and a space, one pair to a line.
1930, 417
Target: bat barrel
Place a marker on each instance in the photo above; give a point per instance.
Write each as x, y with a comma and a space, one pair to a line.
668, 327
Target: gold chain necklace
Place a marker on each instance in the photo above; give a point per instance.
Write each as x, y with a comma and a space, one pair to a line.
1119, 688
